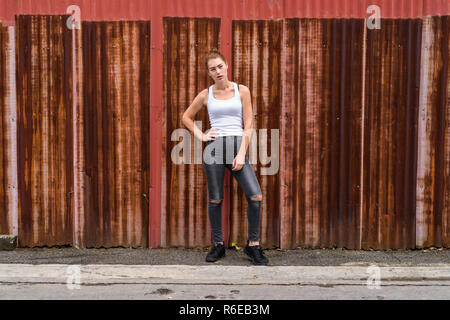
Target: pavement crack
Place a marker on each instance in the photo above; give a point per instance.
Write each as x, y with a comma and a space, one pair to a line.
229, 284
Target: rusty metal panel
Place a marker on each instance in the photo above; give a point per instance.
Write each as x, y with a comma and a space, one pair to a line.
320, 138
116, 93
8, 133
445, 98
6, 217
184, 198
44, 112
433, 168
256, 50
390, 134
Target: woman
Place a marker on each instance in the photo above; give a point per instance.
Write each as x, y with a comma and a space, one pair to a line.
228, 104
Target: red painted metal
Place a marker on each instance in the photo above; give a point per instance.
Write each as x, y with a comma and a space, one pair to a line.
235, 9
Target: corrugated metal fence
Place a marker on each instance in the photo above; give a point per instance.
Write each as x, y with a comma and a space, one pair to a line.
363, 117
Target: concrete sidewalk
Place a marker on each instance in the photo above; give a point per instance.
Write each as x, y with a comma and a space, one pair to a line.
180, 282
178, 273
223, 275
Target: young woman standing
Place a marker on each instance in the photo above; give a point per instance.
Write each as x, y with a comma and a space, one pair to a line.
229, 106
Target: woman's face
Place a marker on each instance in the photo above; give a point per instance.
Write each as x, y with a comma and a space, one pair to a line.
217, 69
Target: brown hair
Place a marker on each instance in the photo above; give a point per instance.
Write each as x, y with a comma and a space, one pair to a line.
212, 54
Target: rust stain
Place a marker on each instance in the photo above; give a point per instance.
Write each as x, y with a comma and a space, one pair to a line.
8, 133
392, 92
44, 130
432, 210
4, 87
116, 137
320, 133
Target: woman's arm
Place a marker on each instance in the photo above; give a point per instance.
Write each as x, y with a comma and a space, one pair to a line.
247, 114
189, 116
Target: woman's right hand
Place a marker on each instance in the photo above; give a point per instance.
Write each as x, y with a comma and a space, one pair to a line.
210, 134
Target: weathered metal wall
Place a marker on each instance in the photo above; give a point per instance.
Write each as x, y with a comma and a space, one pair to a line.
45, 139
346, 101
115, 85
390, 134
320, 137
363, 117
109, 206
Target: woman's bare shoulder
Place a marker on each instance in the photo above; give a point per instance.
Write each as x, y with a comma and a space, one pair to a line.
243, 91
203, 95
243, 88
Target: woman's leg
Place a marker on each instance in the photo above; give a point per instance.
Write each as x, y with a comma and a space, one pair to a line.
215, 175
248, 182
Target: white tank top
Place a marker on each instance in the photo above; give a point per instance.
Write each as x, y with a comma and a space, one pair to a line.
226, 115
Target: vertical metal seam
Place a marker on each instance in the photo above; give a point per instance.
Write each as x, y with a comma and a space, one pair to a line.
155, 232
75, 149
281, 175
423, 146
361, 187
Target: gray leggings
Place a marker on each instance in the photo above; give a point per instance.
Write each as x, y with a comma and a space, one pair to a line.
218, 155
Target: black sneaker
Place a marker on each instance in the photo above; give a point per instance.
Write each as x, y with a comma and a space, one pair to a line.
217, 252
256, 254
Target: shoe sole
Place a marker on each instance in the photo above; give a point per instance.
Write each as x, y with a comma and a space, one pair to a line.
216, 259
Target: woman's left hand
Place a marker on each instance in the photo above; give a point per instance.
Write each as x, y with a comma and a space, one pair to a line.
238, 162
